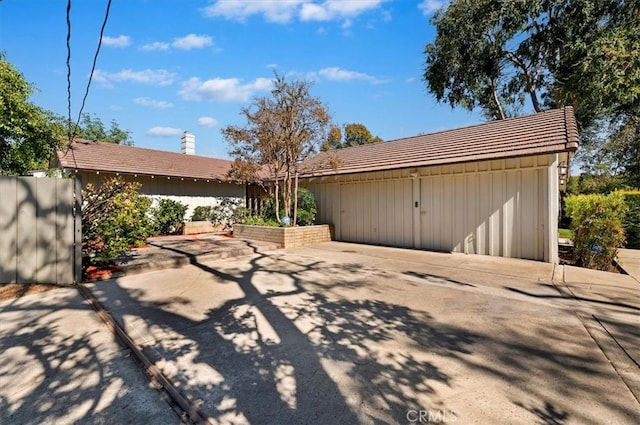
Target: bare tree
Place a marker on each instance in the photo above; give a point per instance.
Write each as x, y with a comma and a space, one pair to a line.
281, 132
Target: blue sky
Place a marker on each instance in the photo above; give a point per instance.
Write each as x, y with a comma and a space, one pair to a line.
167, 66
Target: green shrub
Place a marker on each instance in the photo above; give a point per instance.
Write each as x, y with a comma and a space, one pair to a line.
202, 213
114, 218
168, 217
306, 208
596, 222
632, 220
260, 221
229, 211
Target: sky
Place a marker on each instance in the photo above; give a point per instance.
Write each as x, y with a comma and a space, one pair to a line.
169, 66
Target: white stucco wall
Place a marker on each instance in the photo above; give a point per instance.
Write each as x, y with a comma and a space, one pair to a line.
189, 192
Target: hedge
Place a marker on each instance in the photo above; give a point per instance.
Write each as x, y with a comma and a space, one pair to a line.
632, 221
597, 224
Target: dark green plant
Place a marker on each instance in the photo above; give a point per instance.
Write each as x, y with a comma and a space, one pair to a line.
632, 220
260, 221
114, 218
202, 213
306, 208
228, 212
168, 217
598, 232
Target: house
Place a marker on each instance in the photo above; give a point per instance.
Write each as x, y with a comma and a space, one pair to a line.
191, 179
492, 188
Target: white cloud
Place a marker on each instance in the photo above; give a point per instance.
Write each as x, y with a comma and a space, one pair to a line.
152, 103
429, 7
207, 122
120, 41
188, 42
284, 11
192, 41
156, 45
156, 77
338, 74
337, 9
164, 131
279, 11
222, 89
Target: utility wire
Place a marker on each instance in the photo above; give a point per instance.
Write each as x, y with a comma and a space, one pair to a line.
69, 132
95, 60
93, 68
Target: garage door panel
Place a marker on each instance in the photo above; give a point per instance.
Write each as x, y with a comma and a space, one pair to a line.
494, 213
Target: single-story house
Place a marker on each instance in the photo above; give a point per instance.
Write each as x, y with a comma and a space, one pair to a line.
191, 179
492, 188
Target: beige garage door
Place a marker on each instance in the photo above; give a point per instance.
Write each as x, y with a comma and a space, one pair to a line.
494, 213
377, 212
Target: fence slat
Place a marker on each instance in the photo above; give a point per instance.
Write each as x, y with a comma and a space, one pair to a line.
65, 232
46, 232
26, 252
8, 230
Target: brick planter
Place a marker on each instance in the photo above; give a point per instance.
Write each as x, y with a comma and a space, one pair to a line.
286, 237
195, 227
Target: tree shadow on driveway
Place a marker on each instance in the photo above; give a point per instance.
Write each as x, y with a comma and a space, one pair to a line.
289, 351
306, 341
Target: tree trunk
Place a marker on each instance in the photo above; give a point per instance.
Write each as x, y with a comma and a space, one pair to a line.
496, 99
277, 206
295, 201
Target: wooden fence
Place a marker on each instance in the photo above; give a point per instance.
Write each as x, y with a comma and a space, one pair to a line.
40, 230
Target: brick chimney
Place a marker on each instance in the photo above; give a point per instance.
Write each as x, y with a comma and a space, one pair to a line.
188, 143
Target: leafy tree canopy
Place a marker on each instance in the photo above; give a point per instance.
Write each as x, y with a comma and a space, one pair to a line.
92, 128
28, 134
355, 134
502, 57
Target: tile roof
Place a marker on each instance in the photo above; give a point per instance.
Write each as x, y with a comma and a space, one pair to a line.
109, 157
551, 131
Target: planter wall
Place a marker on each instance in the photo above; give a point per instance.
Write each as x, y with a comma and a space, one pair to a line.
286, 237
194, 227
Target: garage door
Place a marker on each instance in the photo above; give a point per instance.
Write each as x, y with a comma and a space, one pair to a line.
495, 213
377, 212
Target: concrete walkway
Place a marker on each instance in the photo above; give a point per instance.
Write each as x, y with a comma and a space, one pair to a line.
60, 365
629, 261
341, 334
173, 251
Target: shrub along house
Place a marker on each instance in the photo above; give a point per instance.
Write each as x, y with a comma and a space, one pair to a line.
185, 177
490, 189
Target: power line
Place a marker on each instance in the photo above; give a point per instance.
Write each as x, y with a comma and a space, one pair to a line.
69, 132
95, 60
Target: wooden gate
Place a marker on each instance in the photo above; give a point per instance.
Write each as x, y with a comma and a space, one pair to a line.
40, 230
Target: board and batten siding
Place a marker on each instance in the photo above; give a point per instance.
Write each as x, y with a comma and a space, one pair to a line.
40, 236
505, 207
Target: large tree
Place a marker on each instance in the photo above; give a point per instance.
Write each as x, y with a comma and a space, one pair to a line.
503, 57
281, 132
355, 134
28, 134
92, 128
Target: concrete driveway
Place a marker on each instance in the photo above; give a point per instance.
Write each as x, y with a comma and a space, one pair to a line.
345, 334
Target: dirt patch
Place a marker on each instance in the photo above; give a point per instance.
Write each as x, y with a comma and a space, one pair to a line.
9, 291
